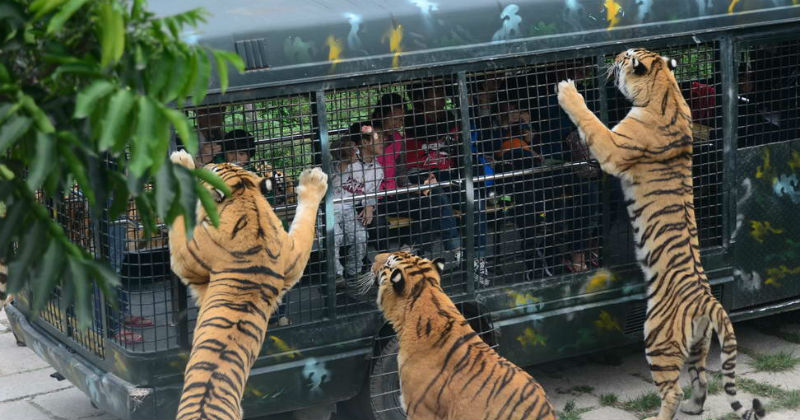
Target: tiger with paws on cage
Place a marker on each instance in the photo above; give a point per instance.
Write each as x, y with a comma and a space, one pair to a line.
650, 151
238, 273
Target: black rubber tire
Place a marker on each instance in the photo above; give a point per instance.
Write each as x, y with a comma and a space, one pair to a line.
384, 384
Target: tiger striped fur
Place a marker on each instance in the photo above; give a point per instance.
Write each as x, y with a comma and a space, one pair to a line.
446, 370
238, 273
650, 150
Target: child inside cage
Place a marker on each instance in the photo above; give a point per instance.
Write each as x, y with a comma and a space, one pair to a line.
358, 172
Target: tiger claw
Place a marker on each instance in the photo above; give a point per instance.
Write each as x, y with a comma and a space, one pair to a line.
182, 158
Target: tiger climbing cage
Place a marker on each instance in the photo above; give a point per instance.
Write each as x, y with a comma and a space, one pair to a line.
478, 165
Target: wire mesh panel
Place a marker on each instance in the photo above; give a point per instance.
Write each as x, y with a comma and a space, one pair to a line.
145, 316
698, 76
384, 380
274, 138
402, 185
769, 92
540, 195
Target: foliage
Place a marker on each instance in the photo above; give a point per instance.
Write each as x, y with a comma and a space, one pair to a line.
88, 91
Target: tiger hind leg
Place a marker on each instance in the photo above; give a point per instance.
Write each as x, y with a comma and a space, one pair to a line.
698, 353
665, 370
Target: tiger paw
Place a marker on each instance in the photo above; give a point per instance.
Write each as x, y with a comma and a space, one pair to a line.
182, 158
568, 96
312, 185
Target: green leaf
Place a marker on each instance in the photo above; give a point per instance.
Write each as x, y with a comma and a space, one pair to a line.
5, 173
190, 77
78, 169
222, 71
64, 14
165, 190
42, 160
159, 148
208, 203
118, 34
118, 108
181, 124
119, 189
89, 97
141, 158
42, 7
106, 25
233, 59
145, 215
139, 60
44, 282
4, 75
30, 249
212, 179
176, 77
41, 119
12, 130
188, 198
83, 288
159, 72
15, 212
105, 278
203, 71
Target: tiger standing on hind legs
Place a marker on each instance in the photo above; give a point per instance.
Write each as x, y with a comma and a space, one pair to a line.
650, 151
238, 273
446, 371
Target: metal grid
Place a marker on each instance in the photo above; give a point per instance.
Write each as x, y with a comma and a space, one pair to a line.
71, 211
410, 176
769, 93
698, 75
540, 193
384, 379
273, 138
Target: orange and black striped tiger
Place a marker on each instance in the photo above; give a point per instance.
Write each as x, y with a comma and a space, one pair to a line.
446, 371
238, 273
650, 151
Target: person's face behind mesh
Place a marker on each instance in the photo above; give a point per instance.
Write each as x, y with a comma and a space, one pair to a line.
394, 121
238, 157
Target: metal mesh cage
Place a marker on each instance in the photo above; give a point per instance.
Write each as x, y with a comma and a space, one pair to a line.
769, 92
400, 187
539, 193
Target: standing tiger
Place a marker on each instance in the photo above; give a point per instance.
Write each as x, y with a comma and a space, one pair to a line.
446, 370
238, 273
651, 152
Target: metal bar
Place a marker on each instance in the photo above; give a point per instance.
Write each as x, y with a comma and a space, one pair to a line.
730, 64
605, 180
321, 128
469, 247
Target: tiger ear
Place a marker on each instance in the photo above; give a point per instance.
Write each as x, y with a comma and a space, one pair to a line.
671, 63
266, 185
397, 280
439, 264
638, 67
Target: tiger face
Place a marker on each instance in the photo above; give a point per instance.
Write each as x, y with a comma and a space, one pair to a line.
397, 276
240, 181
635, 70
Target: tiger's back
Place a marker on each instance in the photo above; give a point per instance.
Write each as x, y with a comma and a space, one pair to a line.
446, 370
238, 273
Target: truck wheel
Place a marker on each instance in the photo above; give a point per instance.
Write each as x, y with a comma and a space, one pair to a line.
384, 383
379, 398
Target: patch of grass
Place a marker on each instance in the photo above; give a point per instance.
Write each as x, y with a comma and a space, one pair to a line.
644, 403
789, 400
582, 389
687, 392
570, 412
758, 388
714, 383
609, 399
729, 416
777, 362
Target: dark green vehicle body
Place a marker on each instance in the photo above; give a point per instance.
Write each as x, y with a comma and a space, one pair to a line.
313, 50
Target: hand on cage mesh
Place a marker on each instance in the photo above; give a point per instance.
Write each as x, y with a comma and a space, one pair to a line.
312, 185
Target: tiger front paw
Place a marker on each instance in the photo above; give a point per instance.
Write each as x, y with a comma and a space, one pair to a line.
182, 158
568, 96
312, 185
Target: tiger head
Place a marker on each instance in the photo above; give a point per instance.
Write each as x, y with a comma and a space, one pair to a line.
241, 182
637, 72
400, 277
